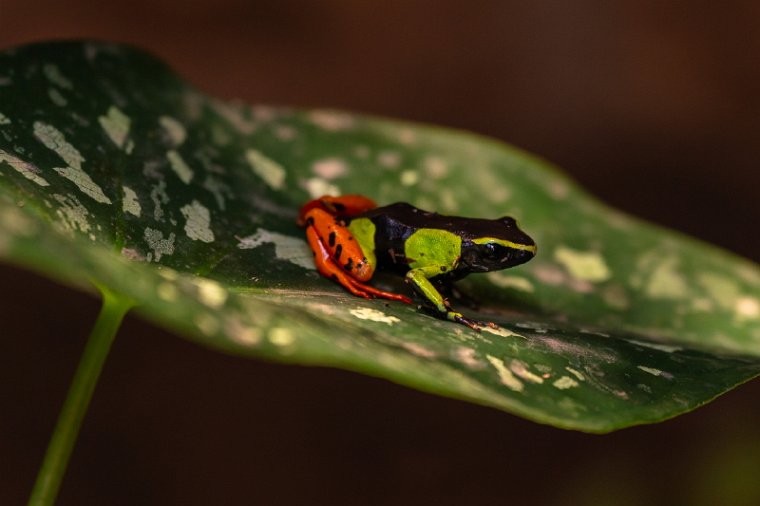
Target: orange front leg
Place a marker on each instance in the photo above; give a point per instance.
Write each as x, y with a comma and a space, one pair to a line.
328, 267
340, 243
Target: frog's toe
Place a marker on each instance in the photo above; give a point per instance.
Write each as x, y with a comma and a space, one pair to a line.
372, 292
476, 325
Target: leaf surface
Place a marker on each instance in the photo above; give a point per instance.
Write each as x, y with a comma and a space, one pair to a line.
114, 170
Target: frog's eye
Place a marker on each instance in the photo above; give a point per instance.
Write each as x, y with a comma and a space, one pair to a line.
493, 250
508, 221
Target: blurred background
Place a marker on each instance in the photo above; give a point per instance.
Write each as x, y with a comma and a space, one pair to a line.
653, 106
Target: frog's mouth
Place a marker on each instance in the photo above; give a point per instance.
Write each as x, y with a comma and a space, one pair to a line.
518, 257
495, 258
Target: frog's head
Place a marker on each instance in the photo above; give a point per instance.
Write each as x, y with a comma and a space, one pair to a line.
501, 245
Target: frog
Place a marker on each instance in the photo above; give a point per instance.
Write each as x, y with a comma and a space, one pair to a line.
351, 238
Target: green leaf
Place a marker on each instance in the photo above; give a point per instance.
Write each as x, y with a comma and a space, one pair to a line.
114, 170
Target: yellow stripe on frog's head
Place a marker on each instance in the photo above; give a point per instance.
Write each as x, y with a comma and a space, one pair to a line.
505, 243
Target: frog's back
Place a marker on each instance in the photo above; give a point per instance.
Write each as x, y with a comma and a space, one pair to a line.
403, 219
393, 224
401, 215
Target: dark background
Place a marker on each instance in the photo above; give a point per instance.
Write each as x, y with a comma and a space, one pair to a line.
653, 106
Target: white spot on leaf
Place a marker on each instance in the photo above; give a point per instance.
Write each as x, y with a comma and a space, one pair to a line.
116, 124
650, 370
509, 281
291, 249
234, 114
468, 357
270, 171
656, 346
558, 189
174, 129
664, 279
57, 98
409, 177
389, 159
418, 349
54, 75
720, 287
211, 293
206, 323
130, 204
520, 368
197, 222
407, 136
158, 196
168, 273
726, 293
332, 121
330, 168
158, 244
505, 375
245, 335
26, 169
54, 140
565, 382
365, 313
747, 308
132, 254
500, 331
167, 292
285, 132
281, 336
179, 166
435, 167
72, 213
219, 190
84, 183
583, 265
4, 120
318, 187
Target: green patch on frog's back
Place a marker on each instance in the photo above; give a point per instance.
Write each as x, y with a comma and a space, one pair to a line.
363, 231
433, 247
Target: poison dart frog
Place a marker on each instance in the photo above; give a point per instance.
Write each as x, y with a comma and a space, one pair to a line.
351, 237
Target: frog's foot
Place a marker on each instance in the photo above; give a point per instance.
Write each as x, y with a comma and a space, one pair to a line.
327, 266
473, 324
453, 316
366, 291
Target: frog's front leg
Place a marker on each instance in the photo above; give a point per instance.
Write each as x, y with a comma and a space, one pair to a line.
419, 278
338, 256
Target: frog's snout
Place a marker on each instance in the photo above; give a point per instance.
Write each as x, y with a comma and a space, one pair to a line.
521, 256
